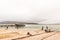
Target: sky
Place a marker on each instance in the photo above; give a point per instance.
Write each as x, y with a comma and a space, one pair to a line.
40, 11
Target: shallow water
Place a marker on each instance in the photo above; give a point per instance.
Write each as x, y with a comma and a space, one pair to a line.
52, 27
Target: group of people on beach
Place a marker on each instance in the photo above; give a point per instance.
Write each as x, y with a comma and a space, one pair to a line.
46, 29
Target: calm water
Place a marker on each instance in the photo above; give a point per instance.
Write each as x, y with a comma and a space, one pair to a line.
52, 27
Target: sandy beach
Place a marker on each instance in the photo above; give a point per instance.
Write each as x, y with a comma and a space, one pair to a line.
12, 34
37, 35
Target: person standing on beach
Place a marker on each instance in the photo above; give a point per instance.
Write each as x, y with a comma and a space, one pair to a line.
6, 27
42, 28
46, 27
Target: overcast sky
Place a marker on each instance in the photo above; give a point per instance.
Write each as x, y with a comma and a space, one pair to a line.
41, 11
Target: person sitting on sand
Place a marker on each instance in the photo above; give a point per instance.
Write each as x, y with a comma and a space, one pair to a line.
29, 34
46, 30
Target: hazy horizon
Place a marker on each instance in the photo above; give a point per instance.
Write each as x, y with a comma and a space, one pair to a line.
39, 11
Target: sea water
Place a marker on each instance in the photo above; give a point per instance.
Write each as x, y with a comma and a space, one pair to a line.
51, 27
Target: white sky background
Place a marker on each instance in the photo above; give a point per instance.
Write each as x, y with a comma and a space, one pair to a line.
30, 10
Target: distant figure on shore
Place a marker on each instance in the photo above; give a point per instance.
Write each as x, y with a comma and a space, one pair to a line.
46, 30
28, 33
46, 27
42, 28
6, 27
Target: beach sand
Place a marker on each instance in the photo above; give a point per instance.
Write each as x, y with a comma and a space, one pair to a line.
18, 34
11, 34
38, 37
